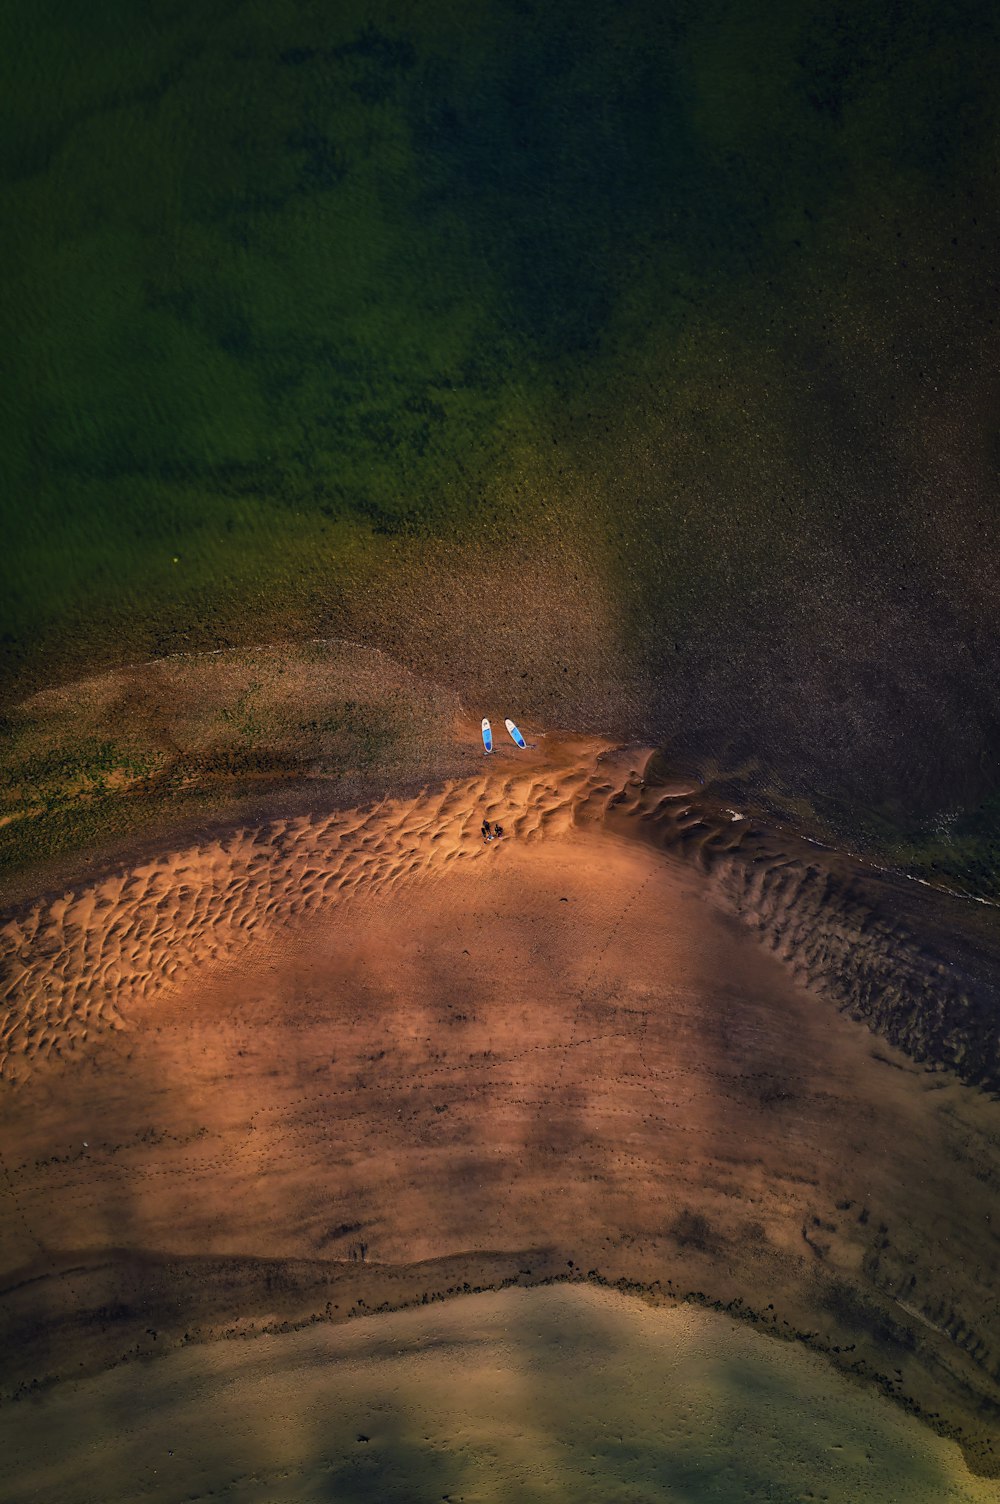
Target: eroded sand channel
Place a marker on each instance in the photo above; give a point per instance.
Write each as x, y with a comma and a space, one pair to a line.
430, 1065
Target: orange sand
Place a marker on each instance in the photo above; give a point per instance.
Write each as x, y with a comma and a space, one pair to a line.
302, 1071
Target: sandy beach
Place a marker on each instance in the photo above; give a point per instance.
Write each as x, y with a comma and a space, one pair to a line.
334, 1065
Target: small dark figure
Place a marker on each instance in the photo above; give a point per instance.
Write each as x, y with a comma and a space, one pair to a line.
487, 833
498, 830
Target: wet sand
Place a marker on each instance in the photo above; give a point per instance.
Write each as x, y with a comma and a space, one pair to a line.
318, 1068
555, 1394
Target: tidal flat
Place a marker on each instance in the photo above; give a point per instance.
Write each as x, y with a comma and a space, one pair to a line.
629, 370
320, 1066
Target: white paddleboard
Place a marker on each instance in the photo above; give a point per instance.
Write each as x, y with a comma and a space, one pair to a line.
515, 734
487, 735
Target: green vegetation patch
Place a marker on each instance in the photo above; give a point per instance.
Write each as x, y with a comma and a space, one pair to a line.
143, 748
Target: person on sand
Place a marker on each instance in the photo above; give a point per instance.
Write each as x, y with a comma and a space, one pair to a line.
498, 830
487, 833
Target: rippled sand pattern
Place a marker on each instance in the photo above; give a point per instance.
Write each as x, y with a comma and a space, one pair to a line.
82, 963
827, 925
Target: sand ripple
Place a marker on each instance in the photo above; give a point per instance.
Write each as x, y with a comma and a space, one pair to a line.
83, 963
77, 965
837, 931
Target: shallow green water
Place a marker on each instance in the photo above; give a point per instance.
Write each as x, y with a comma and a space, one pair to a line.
699, 293
520, 1396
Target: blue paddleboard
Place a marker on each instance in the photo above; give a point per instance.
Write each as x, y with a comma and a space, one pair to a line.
515, 733
487, 735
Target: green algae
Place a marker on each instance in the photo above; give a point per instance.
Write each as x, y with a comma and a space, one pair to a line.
291, 291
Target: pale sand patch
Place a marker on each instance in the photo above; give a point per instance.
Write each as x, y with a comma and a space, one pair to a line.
367, 1059
562, 1394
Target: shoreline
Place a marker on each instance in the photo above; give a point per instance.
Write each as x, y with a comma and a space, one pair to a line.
324, 1102
255, 1314
103, 770
572, 1389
